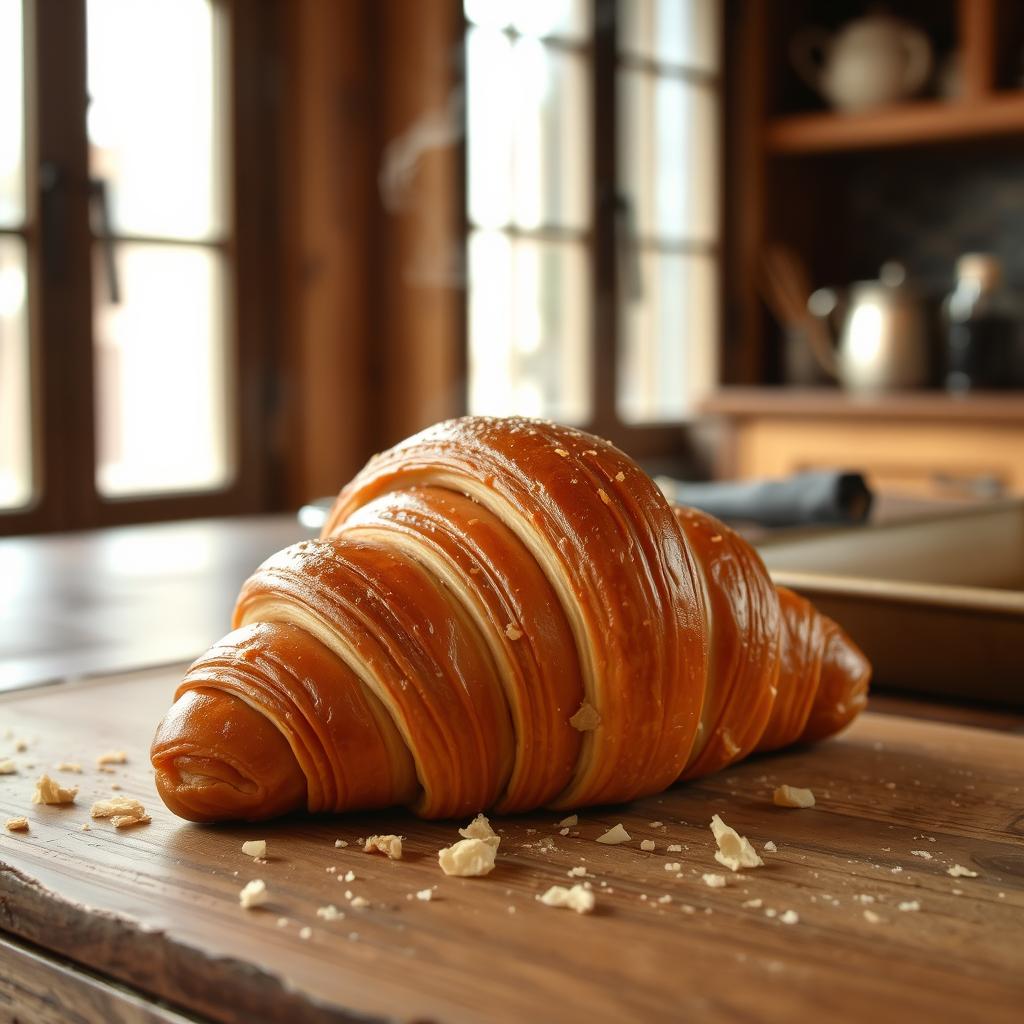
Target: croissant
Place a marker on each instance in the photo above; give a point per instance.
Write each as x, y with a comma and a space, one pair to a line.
505, 614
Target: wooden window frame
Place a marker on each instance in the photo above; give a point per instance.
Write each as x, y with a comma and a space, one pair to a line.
666, 443
59, 243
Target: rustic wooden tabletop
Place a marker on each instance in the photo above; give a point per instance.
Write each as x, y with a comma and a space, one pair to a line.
854, 915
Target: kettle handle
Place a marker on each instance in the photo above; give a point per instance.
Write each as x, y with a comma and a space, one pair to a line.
807, 51
919, 60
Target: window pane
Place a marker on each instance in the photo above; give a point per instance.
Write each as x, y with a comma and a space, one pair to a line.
12, 105
679, 32
161, 388
154, 115
529, 346
668, 156
667, 358
567, 19
527, 146
15, 378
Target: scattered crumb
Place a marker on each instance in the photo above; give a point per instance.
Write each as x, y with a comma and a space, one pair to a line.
923, 854
86, 827
305, 932
255, 848
112, 757
68, 766
16, 824
665, 899
675, 848
253, 894
656, 824
389, 845
792, 796
121, 810
359, 902
647, 845
909, 905
770, 912
563, 831
575, 898
569, 822
7, 766
871, 917
329, 913
734, 851
577, 872
340, 844
615, 835
753, 904
713, 881
789, 917
512, 633
673, 865
959, 871
21, 745
770, 847
561, 451
586, 718
425, 894
349, 876
620, 476
479, 828
282, 922
469, 858
49, 791
604, 495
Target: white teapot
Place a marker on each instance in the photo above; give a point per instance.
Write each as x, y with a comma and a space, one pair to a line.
869, 62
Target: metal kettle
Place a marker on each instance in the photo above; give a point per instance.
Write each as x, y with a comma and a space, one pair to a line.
883, 333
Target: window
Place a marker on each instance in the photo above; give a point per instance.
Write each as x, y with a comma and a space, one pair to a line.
592, 210
121, 339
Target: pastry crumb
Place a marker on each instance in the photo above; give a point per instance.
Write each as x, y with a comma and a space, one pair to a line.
340, 844
575, 898
909, 906
923, 854
112, 757
7, 766
426, 895
118, 806
573, 819
871, 917
713, 881
512, 633
674, 848
604, 496
305, 933
349, 876
615, 835
253, 894
792, 796
129, 820
789, 917
647, 845
586, 718
69, 766
770, 847
673, 865
469, 858
479, 828
16, 824
329, 913
359, 902
389, 845
734, 851
255, 848
959, 871
49, 791
754, 904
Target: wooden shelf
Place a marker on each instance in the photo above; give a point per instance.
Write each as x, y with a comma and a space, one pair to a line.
907, 124
739, 402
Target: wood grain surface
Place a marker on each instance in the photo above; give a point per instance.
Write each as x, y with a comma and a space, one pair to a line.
156, 908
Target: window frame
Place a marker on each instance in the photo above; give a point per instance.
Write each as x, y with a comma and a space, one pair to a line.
661, 442
59, 244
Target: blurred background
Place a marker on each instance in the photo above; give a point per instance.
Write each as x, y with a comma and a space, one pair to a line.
244, 245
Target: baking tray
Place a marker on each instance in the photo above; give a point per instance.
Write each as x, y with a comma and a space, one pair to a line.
936, 603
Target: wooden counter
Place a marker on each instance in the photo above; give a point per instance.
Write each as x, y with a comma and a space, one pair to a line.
145, 924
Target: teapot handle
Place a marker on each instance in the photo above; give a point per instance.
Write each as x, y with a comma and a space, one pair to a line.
807, 51
919, 60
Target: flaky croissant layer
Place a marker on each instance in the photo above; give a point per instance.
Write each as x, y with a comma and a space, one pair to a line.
506, 614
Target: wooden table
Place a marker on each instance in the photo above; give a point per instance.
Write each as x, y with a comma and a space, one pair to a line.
145, 924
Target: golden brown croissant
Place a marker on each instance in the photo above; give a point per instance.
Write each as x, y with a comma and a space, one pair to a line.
500, 613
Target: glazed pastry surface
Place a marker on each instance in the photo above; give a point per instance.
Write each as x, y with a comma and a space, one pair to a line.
505, 614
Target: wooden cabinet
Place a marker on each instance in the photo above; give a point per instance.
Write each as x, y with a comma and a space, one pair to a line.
921, 444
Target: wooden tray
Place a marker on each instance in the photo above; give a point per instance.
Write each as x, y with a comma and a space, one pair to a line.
936, 603
153, 914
